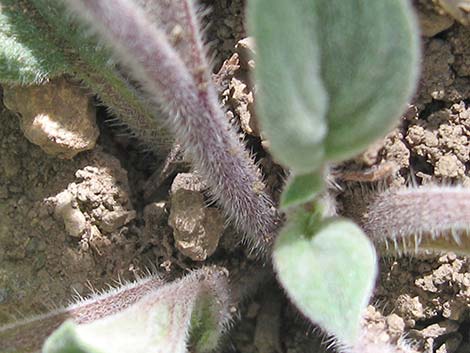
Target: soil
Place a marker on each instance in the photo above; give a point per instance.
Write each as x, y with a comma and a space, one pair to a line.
70, 226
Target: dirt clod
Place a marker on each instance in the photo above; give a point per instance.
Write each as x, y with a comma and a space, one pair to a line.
431, 22
436, 75
58, 116
196, 228
73, 218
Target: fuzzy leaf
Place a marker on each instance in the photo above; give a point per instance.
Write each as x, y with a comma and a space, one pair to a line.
291, 98
328, 275
158, 323
333, 75
40, 41
66, 340
26, 57
301, 189
204, 331
369, 55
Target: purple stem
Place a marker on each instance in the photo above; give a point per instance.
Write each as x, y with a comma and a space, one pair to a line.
194, 112
427, 217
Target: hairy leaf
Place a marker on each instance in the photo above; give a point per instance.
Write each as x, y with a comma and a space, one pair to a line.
157, 323
26, 57
329, 275
40, 41
301, 189
66, 340
413, 220
291, 98
369, 55
333, 75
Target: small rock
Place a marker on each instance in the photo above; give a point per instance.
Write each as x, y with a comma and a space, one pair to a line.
454, 310
380, 334
396, 325
242, 101
458, 9
396, 150
432, 23
187, 181
449, 166
246, 50
196, 228
58, 116
410, 307
436, 330
74, 220
415, 135
113, 220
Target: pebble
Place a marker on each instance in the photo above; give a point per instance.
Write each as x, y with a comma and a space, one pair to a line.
196, 228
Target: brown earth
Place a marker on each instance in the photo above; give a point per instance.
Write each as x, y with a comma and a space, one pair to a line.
69, 225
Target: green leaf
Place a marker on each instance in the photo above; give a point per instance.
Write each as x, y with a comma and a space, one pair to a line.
302, 189
66, 340
291, 98
330, 275
370, 61
204, 325
143, 328
333, 75
191, 311
26, 55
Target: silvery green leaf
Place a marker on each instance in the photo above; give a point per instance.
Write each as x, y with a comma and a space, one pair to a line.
192, 311
291, 99
301, 189
369, 55
66, 339
328, 270
333, 75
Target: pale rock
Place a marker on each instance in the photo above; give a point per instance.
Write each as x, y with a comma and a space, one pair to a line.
449, 166
67, 210
58, 116
246, 50
432, 23
196, 228
242, 100
114, 220
188, 181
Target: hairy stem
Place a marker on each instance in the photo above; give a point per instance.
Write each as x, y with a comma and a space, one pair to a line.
425, 218
191, 101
